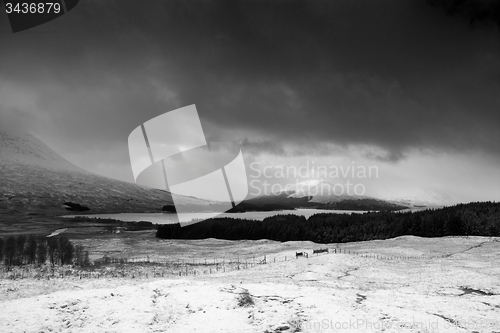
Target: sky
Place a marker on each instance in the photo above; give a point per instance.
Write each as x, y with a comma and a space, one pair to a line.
410, 87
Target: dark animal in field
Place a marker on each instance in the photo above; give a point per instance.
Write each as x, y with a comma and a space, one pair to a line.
301, 254
320, 251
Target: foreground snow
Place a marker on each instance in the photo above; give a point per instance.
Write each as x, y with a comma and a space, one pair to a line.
326, 293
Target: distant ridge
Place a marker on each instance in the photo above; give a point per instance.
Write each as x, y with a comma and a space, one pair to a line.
35, 180
315, 194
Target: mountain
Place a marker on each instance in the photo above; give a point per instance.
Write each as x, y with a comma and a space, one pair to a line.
35, 180
423, 198
316, 194
321, 191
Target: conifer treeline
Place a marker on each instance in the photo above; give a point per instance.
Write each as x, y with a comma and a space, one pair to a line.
474, 219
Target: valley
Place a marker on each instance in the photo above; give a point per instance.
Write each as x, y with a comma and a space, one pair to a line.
137, 282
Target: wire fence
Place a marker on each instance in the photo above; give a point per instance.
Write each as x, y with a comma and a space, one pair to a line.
157, 267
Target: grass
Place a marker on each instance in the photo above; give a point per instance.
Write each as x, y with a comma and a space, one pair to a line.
245, 300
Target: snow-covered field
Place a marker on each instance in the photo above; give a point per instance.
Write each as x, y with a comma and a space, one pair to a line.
324, 293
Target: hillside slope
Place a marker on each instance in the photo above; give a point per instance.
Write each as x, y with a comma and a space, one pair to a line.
34, 180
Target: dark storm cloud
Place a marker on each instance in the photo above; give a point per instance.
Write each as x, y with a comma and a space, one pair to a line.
476, 11
394, 74
256, 147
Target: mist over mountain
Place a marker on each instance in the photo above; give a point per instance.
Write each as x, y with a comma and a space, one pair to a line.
423, 198
317, 194
322, 191
35, 180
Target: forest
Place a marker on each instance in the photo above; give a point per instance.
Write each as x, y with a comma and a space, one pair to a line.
472, 219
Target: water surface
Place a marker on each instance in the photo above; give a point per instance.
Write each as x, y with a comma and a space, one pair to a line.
168, 218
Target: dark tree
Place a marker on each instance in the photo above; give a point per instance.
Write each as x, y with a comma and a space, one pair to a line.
66, 250
41, 252
10, 251
20, 244
81, 256
31, 246
52, 249
1, 249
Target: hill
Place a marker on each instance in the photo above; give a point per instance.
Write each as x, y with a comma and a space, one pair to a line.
35, 180
315, 194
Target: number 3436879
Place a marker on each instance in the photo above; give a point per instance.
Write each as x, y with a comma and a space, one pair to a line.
33, 8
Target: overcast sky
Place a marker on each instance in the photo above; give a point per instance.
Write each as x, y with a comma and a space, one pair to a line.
409, 86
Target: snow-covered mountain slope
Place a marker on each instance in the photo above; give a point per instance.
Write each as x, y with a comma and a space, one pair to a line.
321, 191
34, 179
317, 194
324, 192
423, 198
